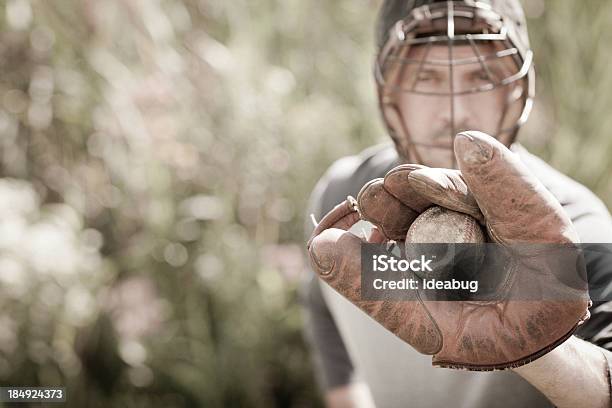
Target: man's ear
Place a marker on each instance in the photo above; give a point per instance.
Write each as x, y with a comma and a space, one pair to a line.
399, 134
388, 96
515, 101
389, 100
393, 121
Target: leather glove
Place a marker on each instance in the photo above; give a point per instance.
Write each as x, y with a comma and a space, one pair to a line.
533, 310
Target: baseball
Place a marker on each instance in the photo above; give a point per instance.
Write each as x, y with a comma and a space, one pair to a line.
439, 225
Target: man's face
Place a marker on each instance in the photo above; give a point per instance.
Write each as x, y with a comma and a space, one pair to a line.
429, 120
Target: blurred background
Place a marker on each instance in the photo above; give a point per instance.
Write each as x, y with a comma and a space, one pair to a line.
155, 161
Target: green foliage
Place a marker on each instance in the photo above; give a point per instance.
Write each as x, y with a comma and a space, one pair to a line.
156, 158
571, 123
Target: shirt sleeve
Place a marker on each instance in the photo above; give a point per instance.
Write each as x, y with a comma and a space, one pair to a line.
598, 329
332, 364
594, 226
608, 356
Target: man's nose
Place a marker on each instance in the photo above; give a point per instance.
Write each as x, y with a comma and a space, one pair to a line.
459, 112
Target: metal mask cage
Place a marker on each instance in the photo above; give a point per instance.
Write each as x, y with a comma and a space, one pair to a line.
450, 24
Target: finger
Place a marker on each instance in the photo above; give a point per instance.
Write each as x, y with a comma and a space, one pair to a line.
342, 216
376, 237
379, 207
516, 206
396, 183
446, 188
335, 256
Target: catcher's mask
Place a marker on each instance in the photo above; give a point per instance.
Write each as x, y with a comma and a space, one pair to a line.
493, 32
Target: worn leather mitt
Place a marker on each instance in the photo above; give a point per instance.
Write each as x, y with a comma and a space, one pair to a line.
533, 309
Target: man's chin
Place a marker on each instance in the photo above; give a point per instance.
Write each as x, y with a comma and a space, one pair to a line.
447, 163
441, 157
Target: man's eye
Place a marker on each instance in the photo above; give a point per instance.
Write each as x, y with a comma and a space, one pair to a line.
426, 76
481, 76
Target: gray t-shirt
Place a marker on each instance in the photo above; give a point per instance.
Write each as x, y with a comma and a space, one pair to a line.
348, 344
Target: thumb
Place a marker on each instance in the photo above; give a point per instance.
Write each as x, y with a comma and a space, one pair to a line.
446, 188
335, 256
516, 206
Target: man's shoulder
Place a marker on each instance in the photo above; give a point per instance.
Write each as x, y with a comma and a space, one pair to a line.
348, 174
374, 160
588, 213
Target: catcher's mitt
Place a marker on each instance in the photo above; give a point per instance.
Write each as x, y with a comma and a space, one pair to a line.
533, 309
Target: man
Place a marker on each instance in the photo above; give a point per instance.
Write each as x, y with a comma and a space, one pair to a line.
444, 68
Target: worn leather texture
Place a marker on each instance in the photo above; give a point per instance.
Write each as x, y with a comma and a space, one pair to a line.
534, 309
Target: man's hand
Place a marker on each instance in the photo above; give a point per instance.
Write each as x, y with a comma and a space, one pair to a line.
493, 186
